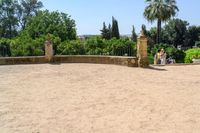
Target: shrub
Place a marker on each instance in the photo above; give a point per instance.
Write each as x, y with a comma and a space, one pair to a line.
121, 47
5, 47
74, 47
151, 59
26, 46
191, 54
95, 46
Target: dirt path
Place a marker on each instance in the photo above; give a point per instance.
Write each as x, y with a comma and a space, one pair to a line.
88, 98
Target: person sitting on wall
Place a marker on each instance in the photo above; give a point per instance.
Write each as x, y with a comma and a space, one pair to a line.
163, 56
157, 58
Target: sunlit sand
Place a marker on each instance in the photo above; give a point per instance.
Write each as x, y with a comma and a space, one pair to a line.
89, 98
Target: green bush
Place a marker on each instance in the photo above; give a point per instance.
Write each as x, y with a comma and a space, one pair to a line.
117, 47
151, 59
121, 47
95, 46
74, 47
26, 46
191, 54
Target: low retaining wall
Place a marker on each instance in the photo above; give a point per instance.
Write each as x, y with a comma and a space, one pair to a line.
22, 60
118, 60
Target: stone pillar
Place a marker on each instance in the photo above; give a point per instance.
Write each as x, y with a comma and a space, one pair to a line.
48, 50
142, 51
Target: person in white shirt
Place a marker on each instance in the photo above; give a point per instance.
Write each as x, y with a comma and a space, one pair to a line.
163, 56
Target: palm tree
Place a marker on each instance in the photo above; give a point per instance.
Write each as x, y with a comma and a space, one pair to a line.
160, 10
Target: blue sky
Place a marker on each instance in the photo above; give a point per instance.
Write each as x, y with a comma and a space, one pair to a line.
90, 14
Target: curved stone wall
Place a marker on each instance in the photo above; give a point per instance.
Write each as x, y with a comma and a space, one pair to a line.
118, 60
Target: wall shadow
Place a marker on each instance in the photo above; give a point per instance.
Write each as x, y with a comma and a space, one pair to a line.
155, 68
55, 63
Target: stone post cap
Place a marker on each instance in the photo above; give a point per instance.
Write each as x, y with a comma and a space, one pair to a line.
48, 40
142, 35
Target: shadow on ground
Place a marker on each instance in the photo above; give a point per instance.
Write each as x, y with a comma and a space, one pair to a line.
55, 63
156, 68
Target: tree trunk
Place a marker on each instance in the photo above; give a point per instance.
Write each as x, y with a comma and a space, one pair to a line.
158, 31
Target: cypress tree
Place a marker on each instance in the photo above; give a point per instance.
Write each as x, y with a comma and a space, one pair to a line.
115, 28
134, 35
105, 32
110, 31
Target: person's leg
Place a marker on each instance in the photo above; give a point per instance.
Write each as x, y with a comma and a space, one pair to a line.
155, 60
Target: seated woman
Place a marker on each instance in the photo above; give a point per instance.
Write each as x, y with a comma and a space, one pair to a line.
163, 56
157, 58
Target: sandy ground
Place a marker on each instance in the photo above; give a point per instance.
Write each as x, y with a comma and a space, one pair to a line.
88, 98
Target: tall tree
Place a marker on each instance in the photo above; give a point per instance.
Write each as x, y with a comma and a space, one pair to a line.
152, 37
8, 19
110, 31
160, 10
105, 32
134, 35
28, 8
115, 28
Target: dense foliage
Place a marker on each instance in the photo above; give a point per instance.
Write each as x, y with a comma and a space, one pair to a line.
73, 47
5, 47
98, 46
23, 28
174, 32
30, 41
